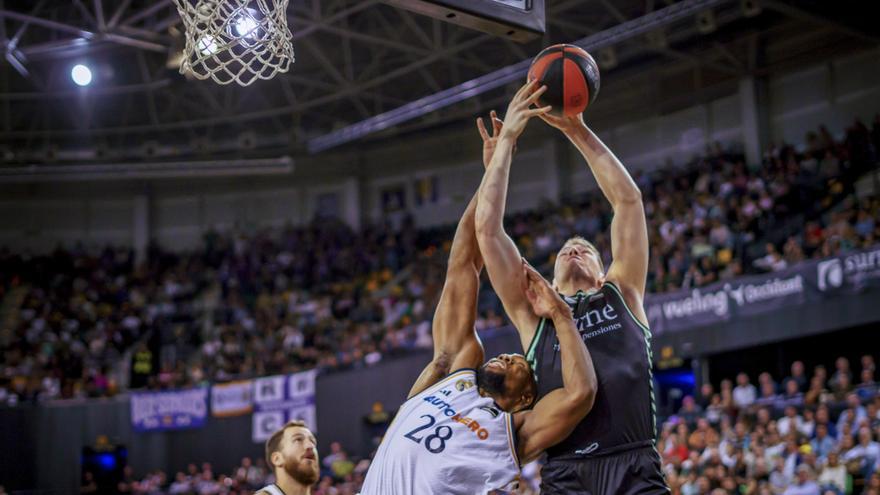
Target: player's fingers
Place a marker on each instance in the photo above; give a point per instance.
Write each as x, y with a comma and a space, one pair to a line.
538, 111
496, 123
537, 94
526, 89
482, 128
530, 271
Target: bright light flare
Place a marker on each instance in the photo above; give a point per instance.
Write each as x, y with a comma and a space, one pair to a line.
81, 75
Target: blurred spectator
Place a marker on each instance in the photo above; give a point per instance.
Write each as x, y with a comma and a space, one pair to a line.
798, 375
804, 485
690, 410
744, 394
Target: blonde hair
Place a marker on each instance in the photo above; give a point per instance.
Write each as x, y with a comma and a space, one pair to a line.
274, 441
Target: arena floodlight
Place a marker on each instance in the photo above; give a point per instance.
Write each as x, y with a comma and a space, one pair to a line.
81, 75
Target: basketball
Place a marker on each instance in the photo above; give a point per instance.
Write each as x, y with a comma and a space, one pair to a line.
571, 76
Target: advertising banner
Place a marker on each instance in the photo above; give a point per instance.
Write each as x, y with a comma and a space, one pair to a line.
807, 283
279, 399
173, 410
232, 399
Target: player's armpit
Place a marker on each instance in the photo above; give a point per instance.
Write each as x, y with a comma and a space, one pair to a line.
551, 421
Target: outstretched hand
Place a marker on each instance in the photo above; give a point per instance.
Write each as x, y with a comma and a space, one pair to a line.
490, 141
520, 109
544, 300
566, 124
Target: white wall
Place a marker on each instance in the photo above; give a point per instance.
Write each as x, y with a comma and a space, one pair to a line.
832, 94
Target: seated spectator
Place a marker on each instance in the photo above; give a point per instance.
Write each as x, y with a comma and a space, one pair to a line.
823, 444
772, 261
88, 483
792, 395
768, 397
791, 422
817, 393
797, 374
841, 366
690, 410
841, 388
867, 388
335, 453
704, 398
181, 485
866, 453
744, 394
716, 410
833, 475
341, 466
702, 436
804, 484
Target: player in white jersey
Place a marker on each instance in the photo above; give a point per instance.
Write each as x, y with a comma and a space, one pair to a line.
292, 454
467, 432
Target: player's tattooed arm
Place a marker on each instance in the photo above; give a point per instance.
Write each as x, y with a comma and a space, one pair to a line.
501, 254
557, 413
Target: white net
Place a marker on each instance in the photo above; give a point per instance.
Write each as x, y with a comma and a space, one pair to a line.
235, 40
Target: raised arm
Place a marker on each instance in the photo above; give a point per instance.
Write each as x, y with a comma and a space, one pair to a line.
629, 231
456, 344
499, 252
557, 413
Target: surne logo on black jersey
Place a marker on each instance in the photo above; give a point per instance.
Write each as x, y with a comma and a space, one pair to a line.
596, 322
596, 317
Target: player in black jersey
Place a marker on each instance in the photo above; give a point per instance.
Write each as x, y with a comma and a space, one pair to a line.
612, 450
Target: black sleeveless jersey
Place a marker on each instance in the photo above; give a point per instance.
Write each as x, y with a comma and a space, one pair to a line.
623, 414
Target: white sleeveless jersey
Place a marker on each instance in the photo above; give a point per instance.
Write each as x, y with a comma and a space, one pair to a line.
271, 490
446, 440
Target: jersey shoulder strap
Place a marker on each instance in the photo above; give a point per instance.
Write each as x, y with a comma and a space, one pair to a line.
271, 490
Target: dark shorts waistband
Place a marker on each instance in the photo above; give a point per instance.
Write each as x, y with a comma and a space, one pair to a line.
620, 449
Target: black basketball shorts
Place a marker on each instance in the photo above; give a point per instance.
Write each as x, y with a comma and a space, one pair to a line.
627, 473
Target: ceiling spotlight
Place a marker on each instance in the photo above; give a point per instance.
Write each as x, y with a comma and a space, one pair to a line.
81, 75
207, 45
245, 26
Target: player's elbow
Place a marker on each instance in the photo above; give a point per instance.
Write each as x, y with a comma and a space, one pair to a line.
582, 400
463, 264
583, 396
628, 195
487, 229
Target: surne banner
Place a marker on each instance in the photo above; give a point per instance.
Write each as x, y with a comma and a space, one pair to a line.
279, 399
804, 284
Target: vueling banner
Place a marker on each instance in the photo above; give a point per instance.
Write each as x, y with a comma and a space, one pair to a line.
810, 282
232, 399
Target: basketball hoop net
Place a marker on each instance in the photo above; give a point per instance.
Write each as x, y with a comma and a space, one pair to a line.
235, 40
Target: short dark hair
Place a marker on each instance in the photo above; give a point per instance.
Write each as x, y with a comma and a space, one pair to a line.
274, 441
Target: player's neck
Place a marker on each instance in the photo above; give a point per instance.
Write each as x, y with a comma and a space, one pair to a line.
576, 283
290, 486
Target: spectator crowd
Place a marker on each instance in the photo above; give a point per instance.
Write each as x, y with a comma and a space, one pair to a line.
324, 296
798, 435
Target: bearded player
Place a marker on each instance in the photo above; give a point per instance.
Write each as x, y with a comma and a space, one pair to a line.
612, 449
465, 430
292, 453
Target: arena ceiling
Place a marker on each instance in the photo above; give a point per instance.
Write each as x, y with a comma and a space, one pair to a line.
356, 59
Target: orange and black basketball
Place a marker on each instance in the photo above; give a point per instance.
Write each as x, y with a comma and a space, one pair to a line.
571, 76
